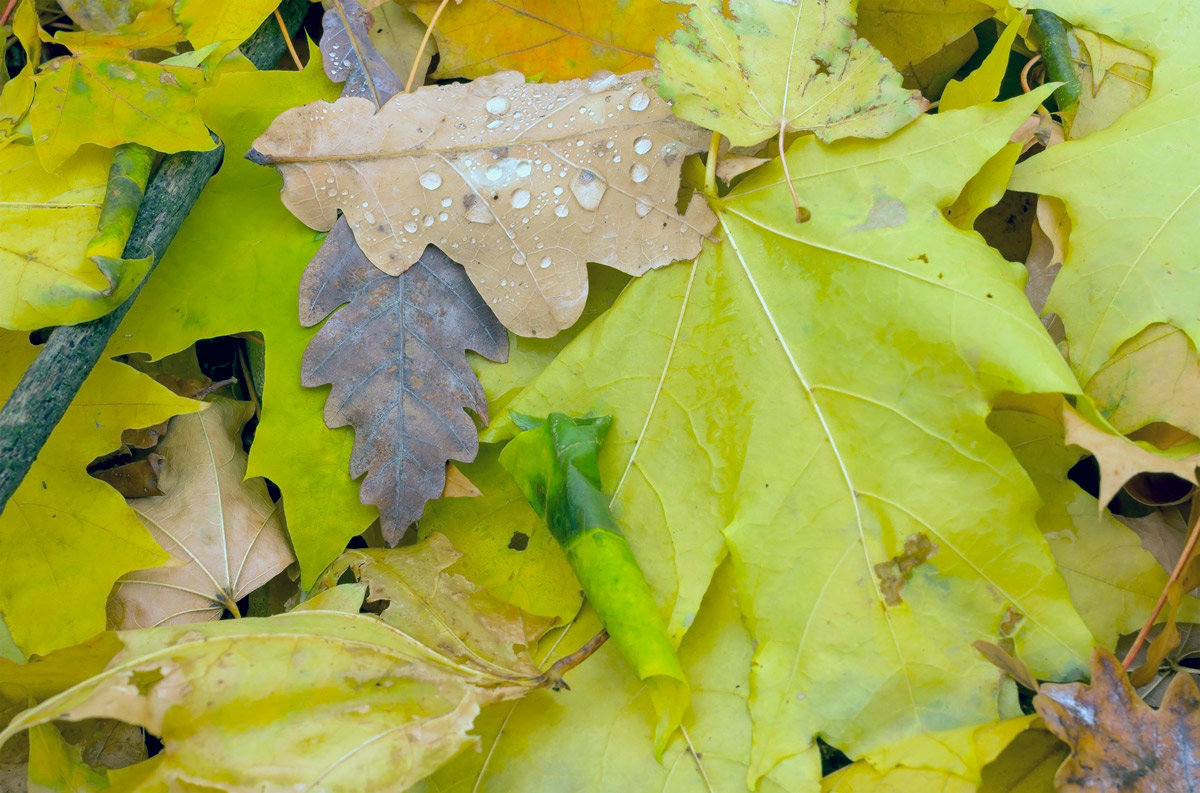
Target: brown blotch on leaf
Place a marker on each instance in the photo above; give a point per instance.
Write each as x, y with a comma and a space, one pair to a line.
519, 541
894, 573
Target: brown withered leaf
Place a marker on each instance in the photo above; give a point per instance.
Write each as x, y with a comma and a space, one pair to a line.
1119, 744
396, 353
345, 48
525, 184
224, 534
396, 356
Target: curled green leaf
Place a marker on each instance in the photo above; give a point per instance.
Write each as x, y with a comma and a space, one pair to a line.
554, 462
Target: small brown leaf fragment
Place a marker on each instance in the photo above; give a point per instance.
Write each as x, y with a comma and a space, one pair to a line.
1119, 744
458, 485
524, 184
895, 572
135, 479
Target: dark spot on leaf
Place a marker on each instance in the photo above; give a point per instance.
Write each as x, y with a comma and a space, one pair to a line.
989, 295
922, 257
519, 541
894, 573
822, 65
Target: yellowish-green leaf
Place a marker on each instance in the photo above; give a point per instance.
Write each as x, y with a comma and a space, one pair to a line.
1130, 192
152, 28
1115, 80
597, 736
55, 765
318, 700
909, 32
757, 68
17, 94
550, 39
1155, 376
1114, 582
220, 277
66, 536
223, 532
226, 23
950, 762
91, 98
983, 84
843, 472
1027, 765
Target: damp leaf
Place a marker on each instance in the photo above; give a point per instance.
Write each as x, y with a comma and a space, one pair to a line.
1118, 742
524, 184
223, 532
752, 69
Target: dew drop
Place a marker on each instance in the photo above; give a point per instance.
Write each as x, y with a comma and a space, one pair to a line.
442, 216
520, 198
495, 123
642, 145
427, 220
494, 173
369, 217
330, 180
545, 263
496, 105
430, 180
477, 211
558, 191
411, 227
643, 207
601, 81
639, 173
524, 168
415, 211
561, 210
639, 101
331, 192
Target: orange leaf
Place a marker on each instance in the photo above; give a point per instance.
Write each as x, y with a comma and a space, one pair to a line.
553, 39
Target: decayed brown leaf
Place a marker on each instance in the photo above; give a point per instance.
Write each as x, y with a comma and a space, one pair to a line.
396, 356
525, 184
224, 533
1119, 744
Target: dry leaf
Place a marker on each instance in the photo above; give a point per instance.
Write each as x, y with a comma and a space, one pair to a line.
396, 356
525, 184
345, 45
224, 533
1119, 744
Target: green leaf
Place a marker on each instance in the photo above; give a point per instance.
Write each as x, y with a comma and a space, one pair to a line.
877, 526
554, 464
235, 266
595, 737
66, 536
751, 69
55, 765
97, 98
65, 234
1130, 193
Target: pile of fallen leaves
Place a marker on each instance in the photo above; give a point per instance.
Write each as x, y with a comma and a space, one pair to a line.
878, 521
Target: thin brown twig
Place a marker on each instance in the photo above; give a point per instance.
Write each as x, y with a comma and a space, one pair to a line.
1184, 558
1034, 61
553, 676
7, 10
288, 40
412, 73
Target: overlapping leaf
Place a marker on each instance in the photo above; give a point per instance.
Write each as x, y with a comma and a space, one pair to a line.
66, 536
364, 706
396, 353
831, 494
1130, 260
555, 39
1118, 743
522, 183
909, 31
227, 271
224, 534
752, 69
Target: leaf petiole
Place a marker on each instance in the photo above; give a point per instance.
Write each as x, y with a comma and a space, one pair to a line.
710, 165
802, 213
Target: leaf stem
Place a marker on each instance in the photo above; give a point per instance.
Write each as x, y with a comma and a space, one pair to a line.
802, 214
710, 165
553, 676
7, 10
1184, 557
412, 73
287, 39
